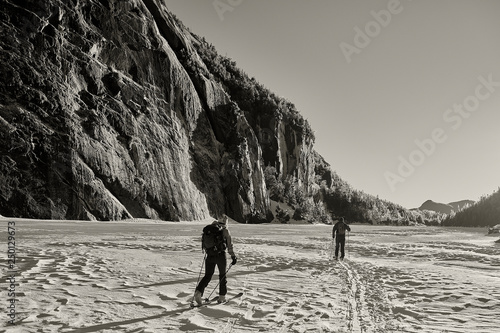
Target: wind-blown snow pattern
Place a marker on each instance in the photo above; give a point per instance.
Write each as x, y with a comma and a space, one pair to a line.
139, 276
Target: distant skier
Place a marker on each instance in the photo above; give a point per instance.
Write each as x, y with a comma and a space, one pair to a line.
215, 240
340, 227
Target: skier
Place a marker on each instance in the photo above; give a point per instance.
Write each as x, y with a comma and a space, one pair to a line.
217, 259
340, 227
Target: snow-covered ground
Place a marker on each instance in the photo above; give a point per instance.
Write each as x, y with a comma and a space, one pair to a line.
140, 277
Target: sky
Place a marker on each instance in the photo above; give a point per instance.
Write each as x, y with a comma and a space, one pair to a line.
403, 96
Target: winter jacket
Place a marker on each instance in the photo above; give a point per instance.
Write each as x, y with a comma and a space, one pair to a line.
340, 228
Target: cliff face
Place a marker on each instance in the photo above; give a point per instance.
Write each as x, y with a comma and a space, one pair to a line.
101, 119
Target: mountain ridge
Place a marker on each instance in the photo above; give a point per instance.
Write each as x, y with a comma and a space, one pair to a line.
445, 208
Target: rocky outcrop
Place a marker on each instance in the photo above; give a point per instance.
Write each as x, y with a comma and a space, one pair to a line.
101, 120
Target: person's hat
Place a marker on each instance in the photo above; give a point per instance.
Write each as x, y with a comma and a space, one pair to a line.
222, 220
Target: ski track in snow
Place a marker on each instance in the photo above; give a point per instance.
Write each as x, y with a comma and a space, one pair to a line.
140, 277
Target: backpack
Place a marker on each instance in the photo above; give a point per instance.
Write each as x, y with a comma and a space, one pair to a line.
213, 239
341, 229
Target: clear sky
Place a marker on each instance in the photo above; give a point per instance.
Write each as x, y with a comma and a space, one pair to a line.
403, 96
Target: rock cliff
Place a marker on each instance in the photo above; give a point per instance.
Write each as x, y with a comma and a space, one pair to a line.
102, 117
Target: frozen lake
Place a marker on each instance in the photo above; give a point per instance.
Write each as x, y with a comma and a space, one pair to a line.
140, 277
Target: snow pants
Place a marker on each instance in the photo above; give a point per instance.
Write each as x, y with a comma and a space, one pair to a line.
220, 261
340, 243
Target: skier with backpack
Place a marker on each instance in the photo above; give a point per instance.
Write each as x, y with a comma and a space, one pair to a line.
216, 238
340, 227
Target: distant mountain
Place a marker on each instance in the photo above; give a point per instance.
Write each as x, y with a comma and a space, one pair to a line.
445, 208
462, 204
436, 207
485, 212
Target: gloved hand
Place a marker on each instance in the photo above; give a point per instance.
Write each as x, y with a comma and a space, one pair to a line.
234, 260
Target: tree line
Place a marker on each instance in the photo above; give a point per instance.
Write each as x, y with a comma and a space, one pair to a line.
485, 212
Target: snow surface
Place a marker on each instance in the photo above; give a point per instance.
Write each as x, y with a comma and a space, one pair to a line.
139, 276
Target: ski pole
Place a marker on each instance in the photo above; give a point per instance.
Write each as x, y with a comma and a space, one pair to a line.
332, 248
199, 275
348, 251
230, 265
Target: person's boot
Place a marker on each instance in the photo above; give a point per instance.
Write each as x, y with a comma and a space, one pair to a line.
197, 297
221, 299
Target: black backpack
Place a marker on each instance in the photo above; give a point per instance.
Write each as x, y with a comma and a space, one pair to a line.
341, 229
213, 239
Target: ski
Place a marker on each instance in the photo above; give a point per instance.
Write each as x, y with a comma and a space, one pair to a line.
206, 301
230, 298
213, 301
